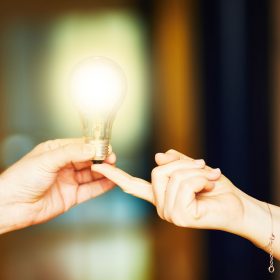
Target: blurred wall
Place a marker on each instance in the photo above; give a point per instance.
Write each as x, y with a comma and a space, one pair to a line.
107, 238
238, 91
177, 125
204, 81
116, 236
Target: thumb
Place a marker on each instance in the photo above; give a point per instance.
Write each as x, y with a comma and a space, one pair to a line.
54, 160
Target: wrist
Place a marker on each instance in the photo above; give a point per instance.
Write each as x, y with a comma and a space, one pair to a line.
8, 221
256, 222
10, 214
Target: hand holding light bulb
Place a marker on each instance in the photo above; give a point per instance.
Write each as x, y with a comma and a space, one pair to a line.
55, 176
98, 87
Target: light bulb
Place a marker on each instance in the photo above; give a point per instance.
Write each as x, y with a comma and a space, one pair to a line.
98, 87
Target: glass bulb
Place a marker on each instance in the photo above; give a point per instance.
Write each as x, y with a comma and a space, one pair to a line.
98, 87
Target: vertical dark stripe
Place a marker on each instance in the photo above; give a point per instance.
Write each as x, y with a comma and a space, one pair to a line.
211, 87
236, 91
258, 87
234, 106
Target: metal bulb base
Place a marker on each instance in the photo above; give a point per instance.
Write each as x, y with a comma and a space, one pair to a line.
102, 150
97, 161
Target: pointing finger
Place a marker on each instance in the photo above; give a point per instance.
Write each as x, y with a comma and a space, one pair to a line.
128, 183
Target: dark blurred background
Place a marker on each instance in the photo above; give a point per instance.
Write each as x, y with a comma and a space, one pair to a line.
202, 79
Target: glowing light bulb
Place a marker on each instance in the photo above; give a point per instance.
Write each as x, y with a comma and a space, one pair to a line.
98, 86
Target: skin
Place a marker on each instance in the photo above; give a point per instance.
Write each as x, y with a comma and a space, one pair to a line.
188, 193
58, 175
48, 181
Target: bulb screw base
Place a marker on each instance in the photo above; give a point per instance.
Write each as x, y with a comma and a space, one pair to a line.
102, 149
97, 161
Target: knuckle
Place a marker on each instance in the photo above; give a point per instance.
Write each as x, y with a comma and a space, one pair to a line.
159, 213
154, 171
68, 149
51, 144
65, 148
186, 184
40, 146
190, 181
166, 215
48, 145
171, 151
174, 179
157, 171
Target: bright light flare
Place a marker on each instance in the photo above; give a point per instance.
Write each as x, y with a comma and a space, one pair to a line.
98, 85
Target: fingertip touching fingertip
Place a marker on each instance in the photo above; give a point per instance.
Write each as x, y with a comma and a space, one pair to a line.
95, 166
98, 166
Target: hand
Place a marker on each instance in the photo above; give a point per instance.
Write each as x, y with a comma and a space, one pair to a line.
202, 201
190, 194
184, 191
220, 205
48, 181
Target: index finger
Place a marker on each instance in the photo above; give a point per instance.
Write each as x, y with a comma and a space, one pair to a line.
126, 182
173, 155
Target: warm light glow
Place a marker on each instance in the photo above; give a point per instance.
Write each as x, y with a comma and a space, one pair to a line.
97, 85
118, 35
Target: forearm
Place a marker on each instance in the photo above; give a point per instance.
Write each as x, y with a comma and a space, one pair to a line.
8, 219
10, 213
257, 225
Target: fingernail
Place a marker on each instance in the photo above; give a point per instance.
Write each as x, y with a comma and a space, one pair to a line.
90, 149
216, 171
199, 162
94, 166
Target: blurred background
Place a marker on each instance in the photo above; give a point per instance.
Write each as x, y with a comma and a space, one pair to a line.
202, 79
